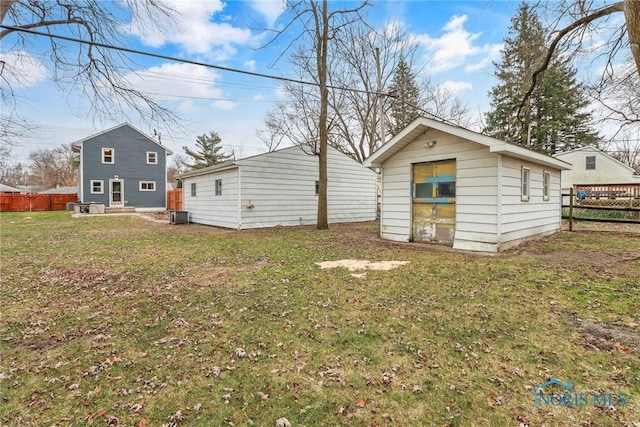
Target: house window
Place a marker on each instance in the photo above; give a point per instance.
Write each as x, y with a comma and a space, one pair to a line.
152, 158
546, 185
107, 155
218, 187
147, 186
591, 163
97, 187
317, 187
525, 184
193, 189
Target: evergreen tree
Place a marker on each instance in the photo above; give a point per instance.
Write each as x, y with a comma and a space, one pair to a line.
405, 97
207, 152
553, 118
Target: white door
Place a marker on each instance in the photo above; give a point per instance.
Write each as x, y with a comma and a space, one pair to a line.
116, 192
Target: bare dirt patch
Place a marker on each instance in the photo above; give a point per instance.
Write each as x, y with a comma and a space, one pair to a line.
357, 264
598, 336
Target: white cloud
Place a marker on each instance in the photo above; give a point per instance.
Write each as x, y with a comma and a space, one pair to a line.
250, 65
21, 70
454, 88
493, 53
191, 86
455, 46
194, 30
270, 9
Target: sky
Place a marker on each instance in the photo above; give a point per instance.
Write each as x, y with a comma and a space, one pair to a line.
458, 42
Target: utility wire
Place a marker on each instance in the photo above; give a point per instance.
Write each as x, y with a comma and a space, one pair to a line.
172, 58
217, 67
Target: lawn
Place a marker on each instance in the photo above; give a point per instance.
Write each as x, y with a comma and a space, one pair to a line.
121, 321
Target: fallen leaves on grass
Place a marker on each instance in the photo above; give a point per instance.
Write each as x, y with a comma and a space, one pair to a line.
623, 348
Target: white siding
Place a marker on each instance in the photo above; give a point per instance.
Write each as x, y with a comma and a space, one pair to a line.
206, 207
523, 219
476, 187
280, 186
607, 171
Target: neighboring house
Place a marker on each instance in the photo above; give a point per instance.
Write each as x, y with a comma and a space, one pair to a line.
278, 188
591, 166
445, 184
122, 167
8, 189
60, 190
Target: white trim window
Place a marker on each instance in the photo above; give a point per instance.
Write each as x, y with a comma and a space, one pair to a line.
108, 156
546, 186
147, 186
193, 189
152, 158
218, 187
525, 184
97, 186
590, 163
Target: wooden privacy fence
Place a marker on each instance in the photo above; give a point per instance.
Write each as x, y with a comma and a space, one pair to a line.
16, 202
174, 199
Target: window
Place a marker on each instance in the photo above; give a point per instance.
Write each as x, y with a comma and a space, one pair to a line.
591, 163
97, 187
525, 184
317, 187
546, 185
107, 155
147, 186
193, 189
218, 187
152, 158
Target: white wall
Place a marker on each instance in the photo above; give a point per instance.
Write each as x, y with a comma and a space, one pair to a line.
607, 171
522, 219
280, 187
476, 187
490, 214
206, 207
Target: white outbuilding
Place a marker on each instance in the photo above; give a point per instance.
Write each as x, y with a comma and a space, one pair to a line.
279, 188
442, 183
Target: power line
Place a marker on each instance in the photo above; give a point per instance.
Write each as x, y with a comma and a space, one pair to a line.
175, 59
219, 67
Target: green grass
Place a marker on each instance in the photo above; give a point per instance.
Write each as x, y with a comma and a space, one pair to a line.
120, 317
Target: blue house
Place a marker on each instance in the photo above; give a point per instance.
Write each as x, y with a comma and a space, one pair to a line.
122, 168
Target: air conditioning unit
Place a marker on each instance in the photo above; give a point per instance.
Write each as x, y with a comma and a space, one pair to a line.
179, 217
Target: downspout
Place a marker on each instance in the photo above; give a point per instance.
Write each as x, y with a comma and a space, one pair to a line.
81, 177
239, 198
381, 197
499, 204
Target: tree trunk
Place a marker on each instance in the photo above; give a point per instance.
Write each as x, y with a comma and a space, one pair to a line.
5, 5
632, 17
323, 42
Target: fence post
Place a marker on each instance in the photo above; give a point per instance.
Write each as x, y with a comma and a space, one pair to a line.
571, 209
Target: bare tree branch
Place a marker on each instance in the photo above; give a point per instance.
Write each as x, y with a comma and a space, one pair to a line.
560, 35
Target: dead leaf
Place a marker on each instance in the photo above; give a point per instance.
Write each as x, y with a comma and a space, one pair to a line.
491, 403
143, 422
623, 348
360, 403
100, 413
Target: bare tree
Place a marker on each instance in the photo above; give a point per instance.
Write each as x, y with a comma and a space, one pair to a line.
320, 29
95, 71
575, 19
353, 117
626, 148
54, 167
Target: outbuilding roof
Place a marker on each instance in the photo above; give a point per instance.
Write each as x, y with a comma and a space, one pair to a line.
422, 124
